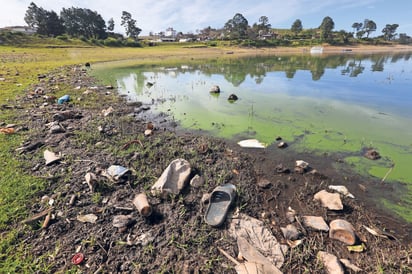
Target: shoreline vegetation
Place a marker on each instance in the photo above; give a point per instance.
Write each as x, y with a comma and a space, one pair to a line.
31, 248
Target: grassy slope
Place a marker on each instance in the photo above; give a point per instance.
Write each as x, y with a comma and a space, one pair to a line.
19, 69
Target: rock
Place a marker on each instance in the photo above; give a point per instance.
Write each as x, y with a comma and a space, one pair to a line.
264, 183
331, 263
349, 265
108, 111
290, 232
148, 132
121, 221
56, 128
88, 218
215, 89
280, 168
173, 178
282, 145
330, 200
315, 222
65, 115
197, 181
372, 154
342, 190
301, 166
343, 231
232, 97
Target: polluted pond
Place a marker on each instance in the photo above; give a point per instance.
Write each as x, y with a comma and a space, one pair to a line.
120, 200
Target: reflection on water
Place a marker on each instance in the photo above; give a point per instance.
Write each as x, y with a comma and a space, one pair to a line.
341, 103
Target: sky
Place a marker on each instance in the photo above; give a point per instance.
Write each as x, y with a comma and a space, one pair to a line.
193, 15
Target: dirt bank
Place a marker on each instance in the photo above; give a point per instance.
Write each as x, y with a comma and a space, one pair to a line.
175, 238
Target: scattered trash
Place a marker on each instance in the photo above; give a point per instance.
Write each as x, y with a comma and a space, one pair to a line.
252, 255
7, 130
141, 203
315, 222
173, 178
251, 143
343, 231
256, 233
50, 157
330, 200
372, 154
215, 89
349, 265
330, 262
116, 172
77, 258
63, 99
88, 218
220, 201
357, 248
342, 190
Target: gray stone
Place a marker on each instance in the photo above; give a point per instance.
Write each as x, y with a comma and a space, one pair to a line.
330, 200
330, 263
315, 222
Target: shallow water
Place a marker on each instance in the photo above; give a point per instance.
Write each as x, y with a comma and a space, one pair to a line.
318, 104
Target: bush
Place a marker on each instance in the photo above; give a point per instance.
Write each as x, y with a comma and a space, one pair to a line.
129, 42
63, 37
112, 42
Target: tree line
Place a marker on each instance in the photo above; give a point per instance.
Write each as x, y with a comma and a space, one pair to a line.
77, 22
81, 22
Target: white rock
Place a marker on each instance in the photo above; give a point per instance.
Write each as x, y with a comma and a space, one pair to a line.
330, 200
331, 263
342, 190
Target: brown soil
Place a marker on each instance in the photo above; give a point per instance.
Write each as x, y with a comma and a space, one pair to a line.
179, 240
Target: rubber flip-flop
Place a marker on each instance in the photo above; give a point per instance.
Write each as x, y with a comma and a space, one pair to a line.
219, 203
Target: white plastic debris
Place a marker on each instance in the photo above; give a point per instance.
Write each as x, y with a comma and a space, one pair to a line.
251, 143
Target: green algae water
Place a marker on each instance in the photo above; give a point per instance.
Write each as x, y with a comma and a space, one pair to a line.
339, 104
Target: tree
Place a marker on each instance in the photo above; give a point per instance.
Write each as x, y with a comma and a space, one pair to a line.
46, 22
389, 31
110, 24
264, 25
297, 26
83, 22
326, 27
130, 25
236, 28
357, 29
369, 26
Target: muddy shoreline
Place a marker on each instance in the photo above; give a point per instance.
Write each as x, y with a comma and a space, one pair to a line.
91, 141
